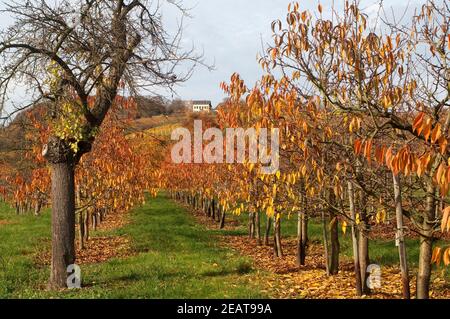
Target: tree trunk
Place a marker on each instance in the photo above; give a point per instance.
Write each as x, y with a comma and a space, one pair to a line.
213, 209
63, 223
222, 219
87, 219
400, 240
335, 246
299, 238
258, 227
302, 237
363, 234
219, 212
37, 208
305, 237
325, 242
278, 252
206, 207
351, 201
334, 236
267, 232
81, 229
94, 220
363, 242
426, 245
251, 225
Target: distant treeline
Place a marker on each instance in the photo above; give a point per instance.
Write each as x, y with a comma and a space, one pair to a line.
13, 133
154, 106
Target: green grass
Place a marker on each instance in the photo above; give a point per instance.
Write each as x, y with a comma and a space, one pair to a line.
175, 258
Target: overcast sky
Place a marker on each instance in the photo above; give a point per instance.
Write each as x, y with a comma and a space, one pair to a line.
229, 33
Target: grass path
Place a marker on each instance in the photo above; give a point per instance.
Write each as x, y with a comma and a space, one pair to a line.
174, 258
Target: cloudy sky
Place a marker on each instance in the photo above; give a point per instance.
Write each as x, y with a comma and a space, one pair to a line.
230, 34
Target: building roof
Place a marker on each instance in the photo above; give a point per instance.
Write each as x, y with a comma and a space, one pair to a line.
202, 102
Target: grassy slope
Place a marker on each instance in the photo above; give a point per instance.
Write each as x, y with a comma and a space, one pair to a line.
176, 258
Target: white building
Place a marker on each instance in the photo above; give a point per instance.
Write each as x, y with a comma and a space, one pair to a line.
200, 106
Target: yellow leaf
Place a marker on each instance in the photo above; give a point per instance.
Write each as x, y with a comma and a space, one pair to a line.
344, 227
270, 211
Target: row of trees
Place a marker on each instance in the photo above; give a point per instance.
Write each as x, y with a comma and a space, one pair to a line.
109, 180
363, 113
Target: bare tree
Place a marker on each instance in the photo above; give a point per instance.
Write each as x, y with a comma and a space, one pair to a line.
78, 55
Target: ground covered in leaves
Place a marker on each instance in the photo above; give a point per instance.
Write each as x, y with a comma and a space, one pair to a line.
101, 246
285, 280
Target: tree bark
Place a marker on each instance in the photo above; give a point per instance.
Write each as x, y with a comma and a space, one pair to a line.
325, 242
37, 208
426, 245
81, 230
335, 246
363, 242
302, 237
258, 227
299, 239
213, 209
63, 223
87, 226
278, 252
267, 232
222, 219
251, 225
305, 238
351, 200
334, 236
94, 220
400, 237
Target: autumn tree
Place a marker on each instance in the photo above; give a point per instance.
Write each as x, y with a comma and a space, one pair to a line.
67, 53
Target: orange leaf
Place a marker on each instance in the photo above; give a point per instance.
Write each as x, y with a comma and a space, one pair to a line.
389, 157
418, 121
368, 150
447, 257
436, 257
445, 219
443, 142
427, 129
358, 145
436, 134
440, 173
303, 17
